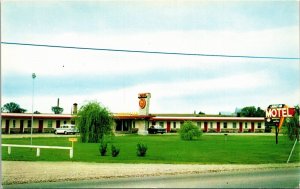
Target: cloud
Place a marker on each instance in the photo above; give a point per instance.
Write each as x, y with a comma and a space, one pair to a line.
185, 78
49, 61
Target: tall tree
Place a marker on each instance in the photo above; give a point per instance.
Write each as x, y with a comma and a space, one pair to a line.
251, 111
248, 111
260, 112
94, 122
13, 107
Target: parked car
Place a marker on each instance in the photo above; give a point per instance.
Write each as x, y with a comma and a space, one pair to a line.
156, 129
66, 129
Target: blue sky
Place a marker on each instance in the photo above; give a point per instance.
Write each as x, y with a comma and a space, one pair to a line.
178, 84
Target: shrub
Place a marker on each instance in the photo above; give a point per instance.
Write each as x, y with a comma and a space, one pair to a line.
173, 130
114, 151
103, 148
189, 131
141, 149
134, 130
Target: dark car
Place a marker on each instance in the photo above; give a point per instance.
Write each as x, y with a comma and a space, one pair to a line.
156, 129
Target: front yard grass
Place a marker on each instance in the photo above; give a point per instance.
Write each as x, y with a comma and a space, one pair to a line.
209, 149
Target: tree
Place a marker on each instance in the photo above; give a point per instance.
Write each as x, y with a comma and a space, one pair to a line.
248, 111
251, 111
12, 107
94, 122
291, 125
57, 110
189, 131
201, 113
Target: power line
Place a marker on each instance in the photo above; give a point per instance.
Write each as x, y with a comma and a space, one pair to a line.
152, 52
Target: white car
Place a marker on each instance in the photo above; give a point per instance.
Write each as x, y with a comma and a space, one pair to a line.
66, 129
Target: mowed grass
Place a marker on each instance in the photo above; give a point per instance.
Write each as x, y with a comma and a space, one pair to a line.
209, 149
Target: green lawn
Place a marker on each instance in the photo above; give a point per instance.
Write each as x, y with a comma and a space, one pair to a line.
209, 149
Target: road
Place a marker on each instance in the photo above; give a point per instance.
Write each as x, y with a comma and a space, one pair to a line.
270, 178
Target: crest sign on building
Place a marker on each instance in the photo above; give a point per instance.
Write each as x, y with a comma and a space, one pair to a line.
144, 102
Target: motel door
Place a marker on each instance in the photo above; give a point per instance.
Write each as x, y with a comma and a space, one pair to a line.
7, 126
252, 127
241, 127
21, 126
218, 127
168, 127
205, 126
40, 130
57, 123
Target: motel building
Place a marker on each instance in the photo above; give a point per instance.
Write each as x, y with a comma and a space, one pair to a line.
134, 122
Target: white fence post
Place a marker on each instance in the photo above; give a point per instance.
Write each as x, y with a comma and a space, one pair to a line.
71, 153
38, 152
9, 150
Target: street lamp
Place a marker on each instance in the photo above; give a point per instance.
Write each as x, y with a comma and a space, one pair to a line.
33, 76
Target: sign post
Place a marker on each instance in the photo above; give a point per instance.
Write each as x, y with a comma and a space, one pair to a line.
275, 115
72, 151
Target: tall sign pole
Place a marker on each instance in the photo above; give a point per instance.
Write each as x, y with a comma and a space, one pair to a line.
33, 76
275, 115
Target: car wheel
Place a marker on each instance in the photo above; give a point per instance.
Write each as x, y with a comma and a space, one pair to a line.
65, 132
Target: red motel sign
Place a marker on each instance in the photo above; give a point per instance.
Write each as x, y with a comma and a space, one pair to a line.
275, 114
280, 112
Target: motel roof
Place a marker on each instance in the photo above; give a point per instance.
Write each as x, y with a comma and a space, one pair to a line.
134, 116
158, 118
36, 116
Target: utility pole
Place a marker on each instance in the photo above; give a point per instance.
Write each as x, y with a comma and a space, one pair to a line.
33, 77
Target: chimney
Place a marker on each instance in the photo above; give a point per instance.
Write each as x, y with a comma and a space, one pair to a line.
75, 108
57, 102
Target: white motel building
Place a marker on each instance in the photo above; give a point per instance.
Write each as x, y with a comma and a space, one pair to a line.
127, 122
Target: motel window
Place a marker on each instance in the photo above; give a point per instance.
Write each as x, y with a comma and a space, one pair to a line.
29, 123
161, 123
133, 124
225, 125
49, 123
65, 122
181, 123
73, 122
211, 124
246, 125
14, 123
234, 125
174, 125
259, 125
199, 124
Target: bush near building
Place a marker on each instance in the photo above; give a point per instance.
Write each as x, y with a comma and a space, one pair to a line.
189, 131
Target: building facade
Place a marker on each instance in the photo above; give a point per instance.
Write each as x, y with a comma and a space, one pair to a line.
128, 122
46, 123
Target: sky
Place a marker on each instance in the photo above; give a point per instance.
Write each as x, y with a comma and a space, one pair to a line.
178, 84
